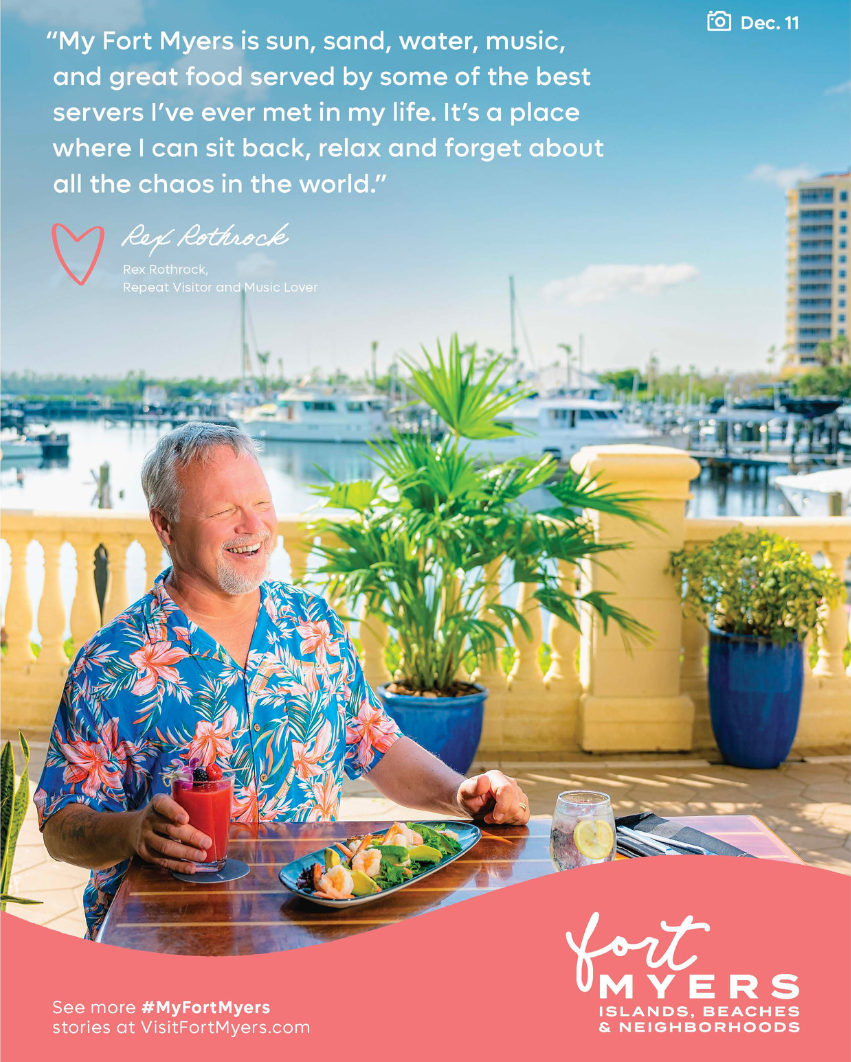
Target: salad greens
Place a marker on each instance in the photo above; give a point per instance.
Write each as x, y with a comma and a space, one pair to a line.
367, 865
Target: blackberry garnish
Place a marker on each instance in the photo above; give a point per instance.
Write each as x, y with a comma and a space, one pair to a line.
305, 880
199, 775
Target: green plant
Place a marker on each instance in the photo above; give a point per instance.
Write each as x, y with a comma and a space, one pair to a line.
418, 544
755, 582
13, 808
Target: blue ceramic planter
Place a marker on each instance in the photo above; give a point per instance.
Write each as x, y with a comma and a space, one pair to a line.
755, 691
450, 727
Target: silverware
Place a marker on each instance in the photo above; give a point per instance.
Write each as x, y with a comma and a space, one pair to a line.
647, 839
689, 847
669, 845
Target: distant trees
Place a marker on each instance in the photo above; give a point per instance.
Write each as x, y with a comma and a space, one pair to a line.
827, 380
833, 352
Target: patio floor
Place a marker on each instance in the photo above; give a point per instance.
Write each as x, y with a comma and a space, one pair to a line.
806, 801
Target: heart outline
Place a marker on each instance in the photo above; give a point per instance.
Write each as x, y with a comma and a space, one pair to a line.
76, 239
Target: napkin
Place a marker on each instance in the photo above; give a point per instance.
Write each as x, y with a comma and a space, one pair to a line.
647, 822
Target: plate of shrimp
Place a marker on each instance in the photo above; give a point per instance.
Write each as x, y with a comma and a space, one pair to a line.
366, 868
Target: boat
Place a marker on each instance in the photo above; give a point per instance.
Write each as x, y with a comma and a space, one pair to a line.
319, 415
807, 406
817, 494
561, 425
15, 446
54, 444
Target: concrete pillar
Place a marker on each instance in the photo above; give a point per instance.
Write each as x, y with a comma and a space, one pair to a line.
632, 698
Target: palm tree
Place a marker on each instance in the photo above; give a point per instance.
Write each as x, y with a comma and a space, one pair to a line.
419, 542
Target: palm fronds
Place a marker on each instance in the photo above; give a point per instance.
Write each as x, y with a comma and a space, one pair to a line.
469, 407
415, 545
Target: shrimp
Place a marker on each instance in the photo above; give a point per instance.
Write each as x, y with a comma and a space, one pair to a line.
400, 834
337, 883
354, 845
369, 862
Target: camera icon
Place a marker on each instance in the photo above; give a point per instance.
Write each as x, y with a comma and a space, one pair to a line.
719, 20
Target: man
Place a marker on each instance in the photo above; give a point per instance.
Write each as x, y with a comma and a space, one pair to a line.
215, 663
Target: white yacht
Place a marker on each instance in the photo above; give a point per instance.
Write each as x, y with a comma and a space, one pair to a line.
823, 493
561, 425
15, 445
318, 416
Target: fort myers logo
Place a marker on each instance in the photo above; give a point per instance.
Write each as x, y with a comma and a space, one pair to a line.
77, 239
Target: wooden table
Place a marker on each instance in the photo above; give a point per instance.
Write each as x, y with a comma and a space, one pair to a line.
155, 912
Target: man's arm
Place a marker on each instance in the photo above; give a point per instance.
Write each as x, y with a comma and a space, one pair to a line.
411, 776
159, 833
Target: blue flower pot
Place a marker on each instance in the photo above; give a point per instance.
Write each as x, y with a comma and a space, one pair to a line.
755, 689
450, 727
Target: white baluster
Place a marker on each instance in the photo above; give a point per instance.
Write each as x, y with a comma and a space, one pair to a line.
564, 640
526, 675
85, 610
829, 670
490, 674
153, 558
51, 609
19, 610
117, 595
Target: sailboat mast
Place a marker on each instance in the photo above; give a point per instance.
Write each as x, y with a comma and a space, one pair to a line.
513, 312
242, 332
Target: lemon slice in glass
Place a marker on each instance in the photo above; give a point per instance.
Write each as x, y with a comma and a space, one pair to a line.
594, 838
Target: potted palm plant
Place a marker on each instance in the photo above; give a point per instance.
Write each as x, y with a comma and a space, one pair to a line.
760, 595
416, 544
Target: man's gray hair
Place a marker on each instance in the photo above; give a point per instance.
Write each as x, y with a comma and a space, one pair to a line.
195, 441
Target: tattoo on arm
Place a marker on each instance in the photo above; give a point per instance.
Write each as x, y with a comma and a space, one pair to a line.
80, 835
76, 827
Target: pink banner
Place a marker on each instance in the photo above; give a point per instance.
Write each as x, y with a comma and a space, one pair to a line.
654, 959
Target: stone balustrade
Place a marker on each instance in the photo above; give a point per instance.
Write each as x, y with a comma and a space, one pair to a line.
596, 694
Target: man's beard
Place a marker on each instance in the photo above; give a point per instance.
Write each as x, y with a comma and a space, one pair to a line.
235, 582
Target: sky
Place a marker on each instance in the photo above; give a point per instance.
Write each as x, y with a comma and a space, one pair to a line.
672, 243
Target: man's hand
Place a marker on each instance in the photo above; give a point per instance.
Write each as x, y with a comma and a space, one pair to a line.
494, 797
161, 834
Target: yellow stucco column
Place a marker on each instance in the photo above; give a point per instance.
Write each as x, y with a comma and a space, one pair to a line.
632, 698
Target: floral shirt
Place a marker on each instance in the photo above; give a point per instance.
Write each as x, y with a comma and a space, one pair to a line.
151, 691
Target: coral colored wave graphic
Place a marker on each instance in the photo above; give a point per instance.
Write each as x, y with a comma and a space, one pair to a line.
76, 239
493, 978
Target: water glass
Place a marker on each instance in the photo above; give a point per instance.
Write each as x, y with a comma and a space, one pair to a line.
583, 830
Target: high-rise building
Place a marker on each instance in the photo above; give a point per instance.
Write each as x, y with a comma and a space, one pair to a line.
816, 266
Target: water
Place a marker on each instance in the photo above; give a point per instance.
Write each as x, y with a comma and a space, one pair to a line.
564, 853
582, 822
291, 469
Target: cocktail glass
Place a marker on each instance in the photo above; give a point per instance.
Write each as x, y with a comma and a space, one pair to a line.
583, 830
208, 805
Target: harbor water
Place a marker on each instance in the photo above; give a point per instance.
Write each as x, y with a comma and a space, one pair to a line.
292, 469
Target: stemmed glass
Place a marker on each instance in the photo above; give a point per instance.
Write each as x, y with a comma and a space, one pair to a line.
583, 830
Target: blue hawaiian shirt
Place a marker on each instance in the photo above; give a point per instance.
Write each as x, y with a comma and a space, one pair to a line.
151, 691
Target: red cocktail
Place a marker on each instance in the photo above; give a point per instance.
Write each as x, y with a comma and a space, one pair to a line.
208, 804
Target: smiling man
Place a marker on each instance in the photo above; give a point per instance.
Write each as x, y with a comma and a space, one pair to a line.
217, 664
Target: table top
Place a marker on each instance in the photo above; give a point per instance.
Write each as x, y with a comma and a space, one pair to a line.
155, 912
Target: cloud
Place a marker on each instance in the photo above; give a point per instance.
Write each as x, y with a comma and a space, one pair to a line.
782, 178
837, 90
599, 283
79, 14
256, 264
